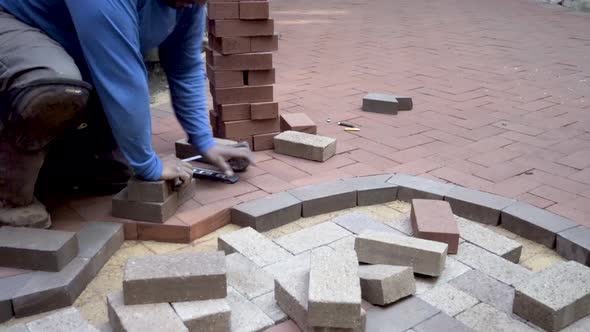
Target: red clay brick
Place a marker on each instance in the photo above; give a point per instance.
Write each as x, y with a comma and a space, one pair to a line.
173, 230
231, 45
249, 61
206, 219
254, 10
223, 10
264, 141
249, 128
434, 220
241, 28
225, 79
263, 111
260, 77
298, 122
234, 112
264, 43
241, 95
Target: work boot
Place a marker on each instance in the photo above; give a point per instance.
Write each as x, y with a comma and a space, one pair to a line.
33, 215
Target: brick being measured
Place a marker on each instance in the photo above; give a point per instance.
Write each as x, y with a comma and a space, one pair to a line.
125, 208
68, 319
254, 10
142, 317
305, 146
36, 249
334, 298
411, 187
264, 111
264, 142
260, 77
574, 244
223, 10
434, 220
247, 62
534, 223
380, 103
175, 278
148, 191
477, 205
489, 240
269, 212
424, 256
386, 284
241, 28
374, 189
207, 315
298, 122
325, 198
242, 95
554, 307
253, 245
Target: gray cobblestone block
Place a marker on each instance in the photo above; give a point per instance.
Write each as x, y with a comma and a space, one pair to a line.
245, 315
574, 244
399, 317
358, 222
246, 277
489, 240
305, 146
554, 307
492, 265
252, 245
98, 241
266, 213
449, 299
380, 103
411, 187
142, 317
453, 269
424, 256
484, 317
405, 103
269, 305
175, 278
476, 205
334, 289
386, 284
9, 286
36, 249
148, 191
325, 198
442, 322
374, 189
208, 315
68, 319
534, 223
486, 289
312, 237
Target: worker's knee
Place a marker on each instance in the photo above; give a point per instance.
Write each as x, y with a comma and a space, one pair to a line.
43, 109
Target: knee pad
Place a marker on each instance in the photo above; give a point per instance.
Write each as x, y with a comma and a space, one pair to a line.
43, 110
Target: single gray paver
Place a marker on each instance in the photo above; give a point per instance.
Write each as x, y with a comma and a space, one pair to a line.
36, 249
98, 241
399, 317
246, 277
325, 198
175, 278
484, 317
385, 284
358, 222
426, 257
245, 315
9, 286
269, 305
492, 265
554, 307
476, 205
334, 289
449, 299
312, 237
266, 213
489, 240
208, 315
305, 146
442, 322
453, 269
486, 289
411, 187
534, 223
574, 244
373, 190
380, 103
143, 317
148, 191
68, 319
252, 245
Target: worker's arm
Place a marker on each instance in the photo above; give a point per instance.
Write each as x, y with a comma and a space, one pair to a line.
109, 36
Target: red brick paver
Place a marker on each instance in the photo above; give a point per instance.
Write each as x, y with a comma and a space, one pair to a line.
501, 100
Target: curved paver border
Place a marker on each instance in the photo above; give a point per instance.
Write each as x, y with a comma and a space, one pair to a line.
570, 240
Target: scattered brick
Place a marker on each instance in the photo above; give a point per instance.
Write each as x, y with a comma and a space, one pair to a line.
386, 284
268, 304
241, 28
223, 10
453, 269
441, 322
245, 314
260, 77
264, 43
68, 319
253, 246
325, 198
484, 317
298, 122
142, 317
434, 220
449, 299
269, 212
175, 278
263, 111
380, 103
476, 205
249, 61
306, 146
555, 307
425, 256
312, 237
264, 141
534, 223
486, 289
246, 277
36, 249
334, 289
358, 222
489, 240
225, 79
207, 315
574, 244
372, 190
290, 266
254, 10
411, 187
148, 191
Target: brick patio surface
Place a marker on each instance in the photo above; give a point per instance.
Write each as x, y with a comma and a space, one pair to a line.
501, 94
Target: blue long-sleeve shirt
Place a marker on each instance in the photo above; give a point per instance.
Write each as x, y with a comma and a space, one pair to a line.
107, 39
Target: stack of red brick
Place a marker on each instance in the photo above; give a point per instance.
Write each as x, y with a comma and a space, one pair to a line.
241, 72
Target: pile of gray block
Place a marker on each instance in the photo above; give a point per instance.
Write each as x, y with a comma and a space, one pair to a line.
54, 267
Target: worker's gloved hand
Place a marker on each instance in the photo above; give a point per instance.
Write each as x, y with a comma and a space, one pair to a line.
174, 169
220, 154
